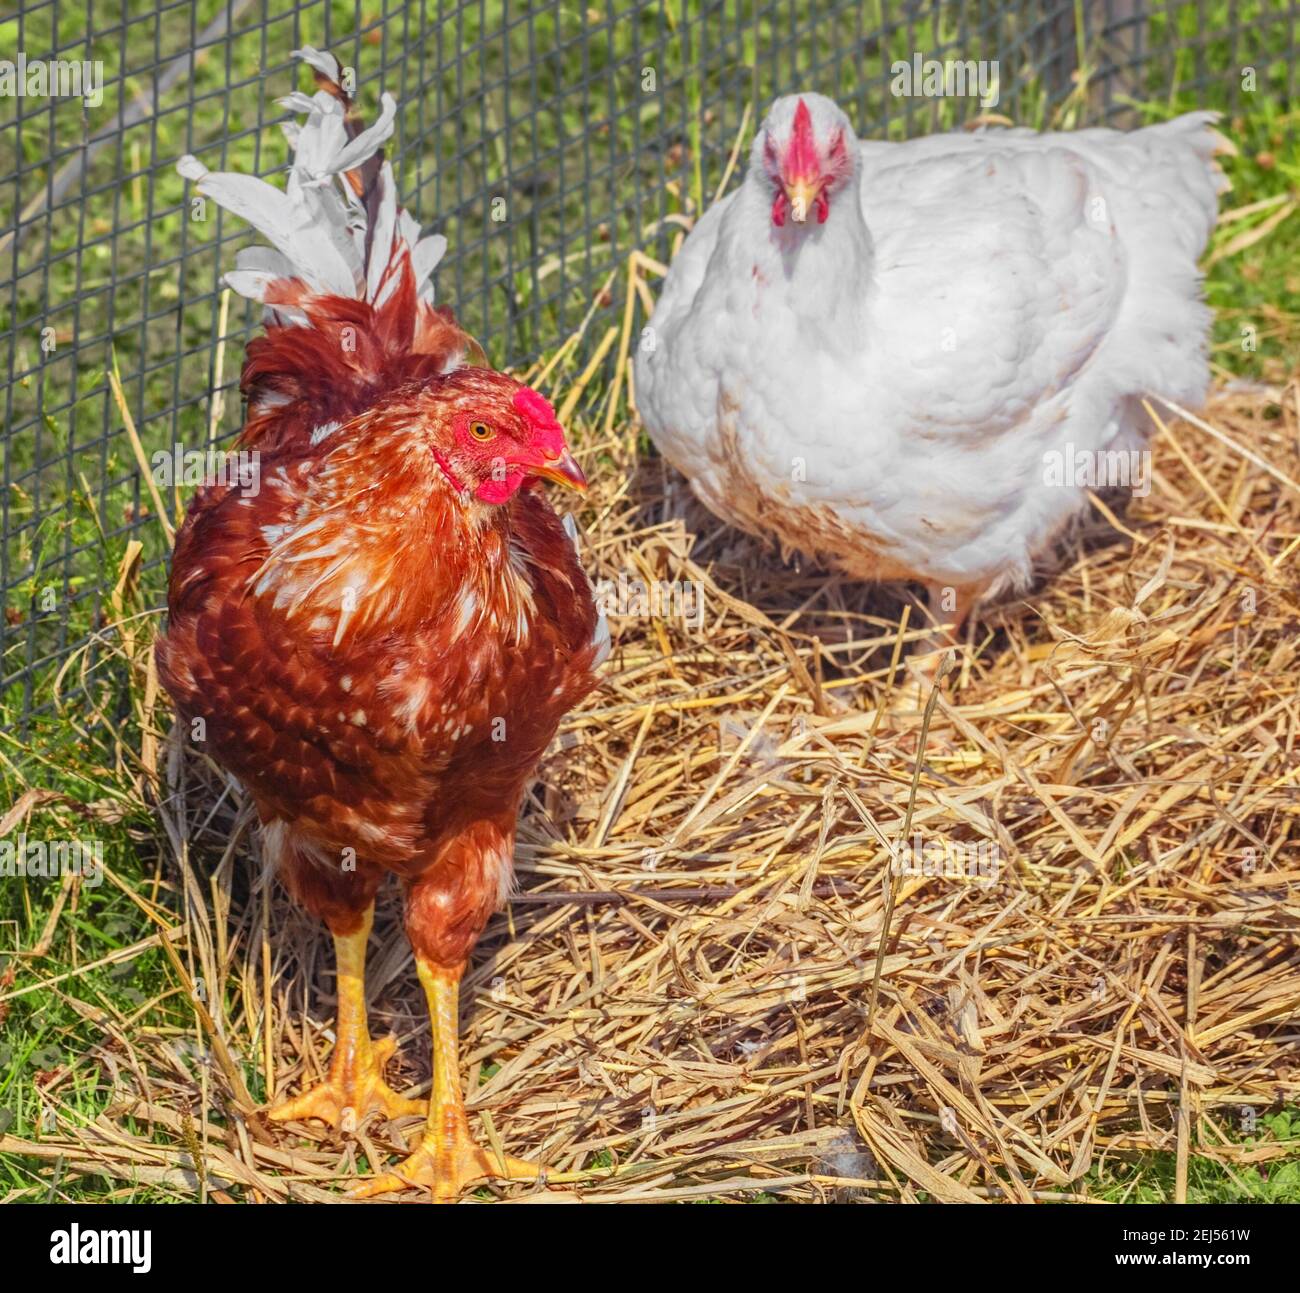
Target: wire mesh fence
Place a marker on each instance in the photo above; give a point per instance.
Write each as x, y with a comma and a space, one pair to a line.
544, 141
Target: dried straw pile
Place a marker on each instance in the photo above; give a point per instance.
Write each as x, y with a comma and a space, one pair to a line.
682, 992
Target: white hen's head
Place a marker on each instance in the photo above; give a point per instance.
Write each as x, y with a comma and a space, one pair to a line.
807, 150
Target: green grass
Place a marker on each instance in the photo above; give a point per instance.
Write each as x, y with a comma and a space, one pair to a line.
589, 199
1150, 1178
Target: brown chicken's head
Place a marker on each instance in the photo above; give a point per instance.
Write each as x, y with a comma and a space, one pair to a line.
492, 435
808, 151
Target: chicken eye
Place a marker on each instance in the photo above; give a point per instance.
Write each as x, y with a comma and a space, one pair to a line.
480, 431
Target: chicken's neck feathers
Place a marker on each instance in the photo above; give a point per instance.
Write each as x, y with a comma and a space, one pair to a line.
822, 274
399, 551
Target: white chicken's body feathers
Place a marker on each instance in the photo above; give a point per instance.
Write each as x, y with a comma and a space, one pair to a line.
882, 389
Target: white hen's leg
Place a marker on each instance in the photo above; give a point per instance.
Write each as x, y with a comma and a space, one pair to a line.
947, 609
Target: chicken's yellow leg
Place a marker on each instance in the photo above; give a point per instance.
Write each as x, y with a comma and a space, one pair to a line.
355, 1085
448, 1158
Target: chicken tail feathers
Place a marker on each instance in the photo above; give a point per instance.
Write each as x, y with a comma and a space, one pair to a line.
363, 179
346, 280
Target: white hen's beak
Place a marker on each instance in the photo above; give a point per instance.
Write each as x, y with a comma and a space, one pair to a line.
801, 194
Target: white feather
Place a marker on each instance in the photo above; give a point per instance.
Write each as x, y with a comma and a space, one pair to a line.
384, 235
369, 141
321, 61
316, 226
290, 226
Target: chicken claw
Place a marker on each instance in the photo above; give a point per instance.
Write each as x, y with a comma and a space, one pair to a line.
445, 1168
351, 1092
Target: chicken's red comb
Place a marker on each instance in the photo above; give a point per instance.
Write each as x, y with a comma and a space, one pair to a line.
541, 416
535, 407
801, 160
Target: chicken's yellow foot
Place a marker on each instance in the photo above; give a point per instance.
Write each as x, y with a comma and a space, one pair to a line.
355, 1086
445, 1164
447, 1158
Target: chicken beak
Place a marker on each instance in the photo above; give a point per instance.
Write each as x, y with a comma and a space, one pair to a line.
563, 470
801, 195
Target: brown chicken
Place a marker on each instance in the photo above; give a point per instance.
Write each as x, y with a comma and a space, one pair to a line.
381, 639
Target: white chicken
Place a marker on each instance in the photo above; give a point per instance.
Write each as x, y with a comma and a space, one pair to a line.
911, 359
